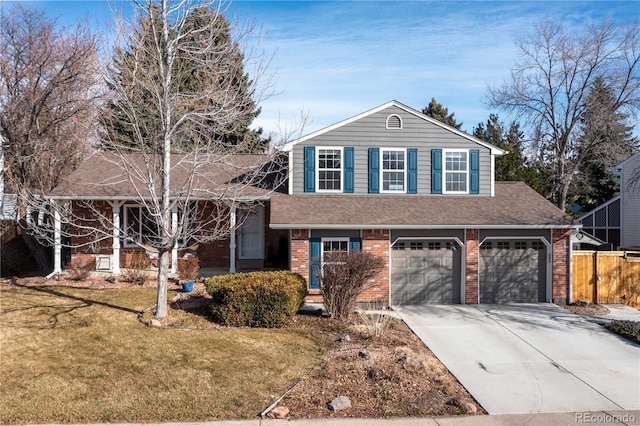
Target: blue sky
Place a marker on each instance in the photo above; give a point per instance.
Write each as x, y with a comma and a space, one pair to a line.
333, 60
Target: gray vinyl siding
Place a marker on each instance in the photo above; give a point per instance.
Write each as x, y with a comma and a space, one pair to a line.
630, 196
370, 132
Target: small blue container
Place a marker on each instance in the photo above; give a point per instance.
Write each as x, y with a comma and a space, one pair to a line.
187, 287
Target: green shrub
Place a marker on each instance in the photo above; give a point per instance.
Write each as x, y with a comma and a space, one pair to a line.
257, 299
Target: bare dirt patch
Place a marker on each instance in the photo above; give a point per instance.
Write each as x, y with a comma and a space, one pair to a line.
393, 375
585, 308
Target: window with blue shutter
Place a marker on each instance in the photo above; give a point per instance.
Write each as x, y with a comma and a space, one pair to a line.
374, 170
309, 169
348, 169
436, 171
412, 171
355, 243
474, 171
315, 246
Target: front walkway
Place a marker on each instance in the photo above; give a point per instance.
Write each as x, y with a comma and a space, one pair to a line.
530, 358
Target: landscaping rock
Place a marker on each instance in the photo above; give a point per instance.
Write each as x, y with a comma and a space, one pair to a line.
154, 323
463, 406
364, 353
280, 412
111, 279
340, 403
345, 339
469, 407
410, 361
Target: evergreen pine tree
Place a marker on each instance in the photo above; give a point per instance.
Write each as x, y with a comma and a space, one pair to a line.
439, 112
189, 79
608, 141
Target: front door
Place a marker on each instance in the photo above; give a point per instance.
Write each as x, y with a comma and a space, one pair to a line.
251, 234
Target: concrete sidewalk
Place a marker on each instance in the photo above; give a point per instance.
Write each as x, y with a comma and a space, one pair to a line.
617, 311
538, 419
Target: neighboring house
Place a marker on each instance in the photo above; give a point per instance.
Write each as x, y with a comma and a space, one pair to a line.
420, 194
617, 222
8, 203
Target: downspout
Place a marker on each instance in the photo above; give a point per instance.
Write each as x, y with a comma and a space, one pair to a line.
570, 272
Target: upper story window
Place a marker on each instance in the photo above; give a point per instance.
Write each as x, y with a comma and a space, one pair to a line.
394, 171
456, 172
330, 169
394, 122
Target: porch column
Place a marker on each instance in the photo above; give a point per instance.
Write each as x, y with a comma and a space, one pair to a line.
115, 210
174, 251
232, 244
57, 239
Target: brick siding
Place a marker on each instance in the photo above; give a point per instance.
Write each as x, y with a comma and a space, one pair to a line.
561, 261
376, 242
212, 254
471, 266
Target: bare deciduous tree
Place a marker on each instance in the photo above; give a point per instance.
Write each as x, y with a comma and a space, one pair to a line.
549, 85
174, 49
48, 81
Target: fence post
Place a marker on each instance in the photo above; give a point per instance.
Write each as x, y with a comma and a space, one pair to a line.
596, 277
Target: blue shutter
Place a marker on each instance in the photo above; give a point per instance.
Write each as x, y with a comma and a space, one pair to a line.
309, 169
348, 169
374, 170
436, 171
474, 171
412, 171
355, 243
314, 262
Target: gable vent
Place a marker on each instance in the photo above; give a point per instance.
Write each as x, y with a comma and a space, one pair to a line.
394, 122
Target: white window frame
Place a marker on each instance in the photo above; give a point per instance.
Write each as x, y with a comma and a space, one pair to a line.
330, 239
382, 171
445, 171
258, 212
127, 241
329, 148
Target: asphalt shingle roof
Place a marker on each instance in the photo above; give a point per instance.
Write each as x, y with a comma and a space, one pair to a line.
514, 205
111, 176
105, 176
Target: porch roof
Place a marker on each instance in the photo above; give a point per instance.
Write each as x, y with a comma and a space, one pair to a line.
515, 205
108, 176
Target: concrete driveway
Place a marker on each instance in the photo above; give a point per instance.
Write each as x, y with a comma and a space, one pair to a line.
530, 358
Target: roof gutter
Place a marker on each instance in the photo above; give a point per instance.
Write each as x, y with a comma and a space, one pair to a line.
133, 198
420, 226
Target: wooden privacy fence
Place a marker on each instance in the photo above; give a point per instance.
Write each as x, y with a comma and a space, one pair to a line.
606, 277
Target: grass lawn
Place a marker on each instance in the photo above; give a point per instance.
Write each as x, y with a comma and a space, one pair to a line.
82, 355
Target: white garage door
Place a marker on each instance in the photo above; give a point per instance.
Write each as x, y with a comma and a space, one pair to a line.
424, 272
512, 271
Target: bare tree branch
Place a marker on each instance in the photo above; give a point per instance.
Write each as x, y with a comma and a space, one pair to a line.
549, 85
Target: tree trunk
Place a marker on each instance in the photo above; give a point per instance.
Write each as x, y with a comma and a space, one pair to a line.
165, 222
163, 270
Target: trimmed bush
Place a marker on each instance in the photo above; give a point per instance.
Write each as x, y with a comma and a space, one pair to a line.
256, 299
